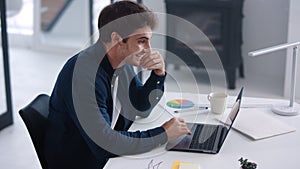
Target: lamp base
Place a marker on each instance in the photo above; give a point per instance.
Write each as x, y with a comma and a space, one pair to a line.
286, 110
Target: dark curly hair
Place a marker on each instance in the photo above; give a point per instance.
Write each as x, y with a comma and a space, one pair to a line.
124, 17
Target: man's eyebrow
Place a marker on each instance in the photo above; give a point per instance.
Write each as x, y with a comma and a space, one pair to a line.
144, 37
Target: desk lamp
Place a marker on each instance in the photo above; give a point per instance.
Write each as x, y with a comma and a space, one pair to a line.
293, 108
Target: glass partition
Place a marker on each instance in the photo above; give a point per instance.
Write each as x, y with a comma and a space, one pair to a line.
5, 96
3, 107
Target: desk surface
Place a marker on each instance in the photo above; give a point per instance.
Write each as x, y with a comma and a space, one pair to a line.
272, 153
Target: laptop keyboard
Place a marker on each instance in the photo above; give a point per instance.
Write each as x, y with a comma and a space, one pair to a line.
204, 137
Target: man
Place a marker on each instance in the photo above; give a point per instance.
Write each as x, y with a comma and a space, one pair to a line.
97, 95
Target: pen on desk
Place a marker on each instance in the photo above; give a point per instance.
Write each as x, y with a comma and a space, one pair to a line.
166, 110
193, 109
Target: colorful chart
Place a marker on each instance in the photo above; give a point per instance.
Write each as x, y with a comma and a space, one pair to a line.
180, 103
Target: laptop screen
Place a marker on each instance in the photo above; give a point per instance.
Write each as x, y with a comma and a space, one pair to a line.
234, 111
232, 115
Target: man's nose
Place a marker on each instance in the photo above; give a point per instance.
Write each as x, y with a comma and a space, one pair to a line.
147, 45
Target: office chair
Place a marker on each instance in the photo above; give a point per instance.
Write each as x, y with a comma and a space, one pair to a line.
35, 116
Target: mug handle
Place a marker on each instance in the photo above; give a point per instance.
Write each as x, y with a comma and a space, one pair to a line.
208, 97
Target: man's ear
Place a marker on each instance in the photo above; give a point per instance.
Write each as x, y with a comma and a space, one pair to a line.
115, 38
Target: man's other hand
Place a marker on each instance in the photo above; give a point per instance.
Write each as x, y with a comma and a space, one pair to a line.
175, 128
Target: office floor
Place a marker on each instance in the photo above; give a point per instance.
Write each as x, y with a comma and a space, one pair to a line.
35, 72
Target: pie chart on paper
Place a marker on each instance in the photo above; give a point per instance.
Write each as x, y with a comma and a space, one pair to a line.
180, 103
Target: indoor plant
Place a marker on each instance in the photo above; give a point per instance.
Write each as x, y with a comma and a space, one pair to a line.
245, 164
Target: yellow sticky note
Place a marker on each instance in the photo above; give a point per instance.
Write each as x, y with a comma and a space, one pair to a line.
175, 164
184, 165
189, 166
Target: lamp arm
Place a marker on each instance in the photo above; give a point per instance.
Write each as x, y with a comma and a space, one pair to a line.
295, 46
273, 49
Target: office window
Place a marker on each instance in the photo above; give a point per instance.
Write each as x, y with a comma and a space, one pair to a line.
20, 17
97, 8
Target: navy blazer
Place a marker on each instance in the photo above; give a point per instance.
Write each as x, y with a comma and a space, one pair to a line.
79, 133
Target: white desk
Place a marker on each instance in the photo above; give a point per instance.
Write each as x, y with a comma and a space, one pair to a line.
277, 152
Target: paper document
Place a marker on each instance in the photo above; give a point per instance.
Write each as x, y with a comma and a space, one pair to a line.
185, 165
259, 125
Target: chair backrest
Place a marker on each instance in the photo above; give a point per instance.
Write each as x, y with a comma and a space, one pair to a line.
35, 116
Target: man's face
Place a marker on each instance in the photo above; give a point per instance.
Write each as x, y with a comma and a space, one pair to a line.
138, 43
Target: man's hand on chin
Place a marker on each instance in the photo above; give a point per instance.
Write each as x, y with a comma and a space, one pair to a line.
152, 60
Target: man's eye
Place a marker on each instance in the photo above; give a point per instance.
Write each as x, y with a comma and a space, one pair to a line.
142, 41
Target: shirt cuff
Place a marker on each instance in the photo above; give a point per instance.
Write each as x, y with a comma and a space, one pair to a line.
159, 79
159, 135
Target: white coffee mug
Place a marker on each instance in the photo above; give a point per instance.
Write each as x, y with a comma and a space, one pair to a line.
217, 102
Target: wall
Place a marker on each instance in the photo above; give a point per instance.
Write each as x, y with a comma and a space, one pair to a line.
70, 33
158, 6
74, 21
293, 36
265, 24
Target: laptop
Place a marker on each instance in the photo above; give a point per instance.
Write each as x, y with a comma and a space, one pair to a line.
206, 138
